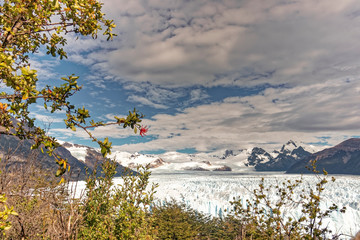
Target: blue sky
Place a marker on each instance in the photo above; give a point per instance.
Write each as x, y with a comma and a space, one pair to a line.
213, 75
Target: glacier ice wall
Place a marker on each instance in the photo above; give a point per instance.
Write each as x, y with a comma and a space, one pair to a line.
211, 193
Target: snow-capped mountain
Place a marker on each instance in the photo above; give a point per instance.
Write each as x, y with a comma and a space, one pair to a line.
243, 160
343, 158
282, 160
17, 153
88, 156
132, 160
171, 161
258, 156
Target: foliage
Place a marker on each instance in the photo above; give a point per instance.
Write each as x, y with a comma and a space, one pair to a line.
268, 217
132, 200
117, 212
128, 211
5, 212
176, 221
44, 210
27, 26
38, 200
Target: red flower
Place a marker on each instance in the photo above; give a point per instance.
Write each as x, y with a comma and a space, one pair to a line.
143, 130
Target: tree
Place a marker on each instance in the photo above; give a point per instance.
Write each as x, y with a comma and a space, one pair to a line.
175, 220
118, 211
26, 26
269, 215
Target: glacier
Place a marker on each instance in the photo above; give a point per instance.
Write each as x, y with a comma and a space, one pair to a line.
211, 193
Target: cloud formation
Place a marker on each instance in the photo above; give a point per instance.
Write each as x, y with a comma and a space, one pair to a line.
268, 119
213, 43
171, 54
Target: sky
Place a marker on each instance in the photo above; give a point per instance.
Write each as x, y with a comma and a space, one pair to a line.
217, 74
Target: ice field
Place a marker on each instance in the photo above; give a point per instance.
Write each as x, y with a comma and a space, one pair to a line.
211, 192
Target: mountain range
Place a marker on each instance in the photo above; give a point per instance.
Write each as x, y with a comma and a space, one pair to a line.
15, 152
281, 160
343, 158
290, 158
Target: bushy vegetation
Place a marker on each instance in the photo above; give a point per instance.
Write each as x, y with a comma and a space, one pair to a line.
45, 209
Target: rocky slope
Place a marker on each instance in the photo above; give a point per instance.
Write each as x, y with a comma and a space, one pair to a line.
344, 158
282, 160
15, 152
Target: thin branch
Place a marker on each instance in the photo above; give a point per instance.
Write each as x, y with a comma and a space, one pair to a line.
101, 125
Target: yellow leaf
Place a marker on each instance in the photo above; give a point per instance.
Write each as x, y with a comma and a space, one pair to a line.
14, 213
62, 180
3, 107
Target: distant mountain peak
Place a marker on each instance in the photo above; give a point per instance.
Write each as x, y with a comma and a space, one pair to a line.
289, 147
350, 144
227, 154
281, 160
344, 158
291, 142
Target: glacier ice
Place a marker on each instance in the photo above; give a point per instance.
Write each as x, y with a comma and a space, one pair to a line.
211, 193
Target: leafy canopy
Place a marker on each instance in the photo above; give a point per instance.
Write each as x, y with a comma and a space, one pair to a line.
25, 27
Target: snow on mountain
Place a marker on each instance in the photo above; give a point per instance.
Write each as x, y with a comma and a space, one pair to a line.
343, 158
176, 157
257, 156
234, 159
170, 161
289, 154
313, 149
79, 152
243, 160
132, 160
289, 147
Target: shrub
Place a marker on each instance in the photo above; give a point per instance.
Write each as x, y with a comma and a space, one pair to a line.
268, 215
117, 212
41, 203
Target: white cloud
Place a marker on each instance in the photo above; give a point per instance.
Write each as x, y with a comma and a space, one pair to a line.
46, 121
197, 95
268, 119
170, 50
111, 131
212, 43
45, 68
146, 102
154, 96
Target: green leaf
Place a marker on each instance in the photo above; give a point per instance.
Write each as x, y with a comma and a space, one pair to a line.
103, 151
59, 172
